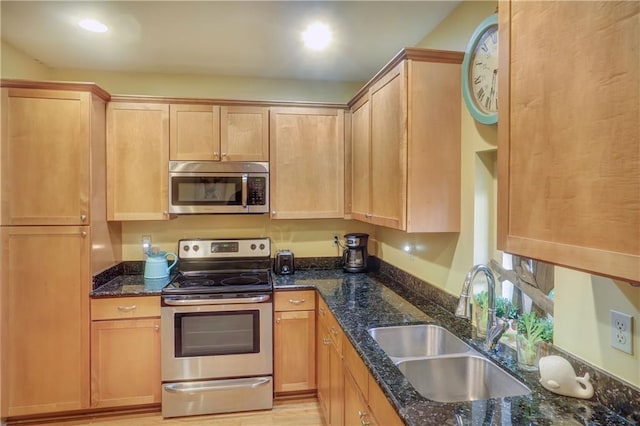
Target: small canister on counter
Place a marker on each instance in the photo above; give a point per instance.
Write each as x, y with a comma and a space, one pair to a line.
284, 263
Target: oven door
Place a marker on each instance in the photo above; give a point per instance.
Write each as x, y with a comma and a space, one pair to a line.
215, 341
218, 193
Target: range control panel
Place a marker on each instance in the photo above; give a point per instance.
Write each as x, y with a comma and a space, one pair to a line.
224, 248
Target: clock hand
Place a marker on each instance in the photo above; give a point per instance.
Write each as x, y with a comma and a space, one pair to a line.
493, 83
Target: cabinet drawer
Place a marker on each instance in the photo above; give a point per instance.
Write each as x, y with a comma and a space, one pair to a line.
335, 331
125, 307
299, 300
356, 367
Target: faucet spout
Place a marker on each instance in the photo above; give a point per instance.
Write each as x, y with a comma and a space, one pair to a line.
493, 331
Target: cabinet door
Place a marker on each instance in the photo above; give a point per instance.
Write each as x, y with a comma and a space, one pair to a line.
569, 135
336, 387
389, 149
356, 410
307, 163
323, 347
194, 132
137, 161
45, 319
45, 157
360, 161
244, 133
295, 351
125, 362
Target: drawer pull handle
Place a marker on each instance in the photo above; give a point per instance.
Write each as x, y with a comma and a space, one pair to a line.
126, 308
326, 341
296, 302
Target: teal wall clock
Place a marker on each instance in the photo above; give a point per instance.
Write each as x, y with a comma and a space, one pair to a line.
480, 72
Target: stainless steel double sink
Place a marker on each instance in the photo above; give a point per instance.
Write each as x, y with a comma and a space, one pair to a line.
442, 367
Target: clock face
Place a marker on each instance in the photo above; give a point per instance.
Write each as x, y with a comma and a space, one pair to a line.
483, 72
480, 72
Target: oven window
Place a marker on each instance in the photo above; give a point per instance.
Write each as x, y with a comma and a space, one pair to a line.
217, 333
199, 191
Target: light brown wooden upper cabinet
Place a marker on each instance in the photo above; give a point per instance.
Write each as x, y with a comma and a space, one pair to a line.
307, 163
137, 161
569, 135
219, 133
406, 144
46, 136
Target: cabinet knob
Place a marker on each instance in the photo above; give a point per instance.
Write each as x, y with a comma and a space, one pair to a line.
277, 320
361, 414
156, 327
83, 234
273, 213
83, 217
224, 154
216, 154
326, 341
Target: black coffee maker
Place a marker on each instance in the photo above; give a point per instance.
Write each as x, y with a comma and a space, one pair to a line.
355, 252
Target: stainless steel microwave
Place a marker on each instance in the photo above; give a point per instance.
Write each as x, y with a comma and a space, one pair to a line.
206, 187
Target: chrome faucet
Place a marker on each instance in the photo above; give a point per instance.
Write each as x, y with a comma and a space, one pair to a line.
494, 330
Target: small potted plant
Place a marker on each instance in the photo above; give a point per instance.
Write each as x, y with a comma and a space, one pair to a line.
533, 335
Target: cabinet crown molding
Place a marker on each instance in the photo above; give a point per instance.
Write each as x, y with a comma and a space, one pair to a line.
57, 85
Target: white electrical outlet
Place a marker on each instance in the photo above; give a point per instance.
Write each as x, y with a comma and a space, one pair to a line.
621, 331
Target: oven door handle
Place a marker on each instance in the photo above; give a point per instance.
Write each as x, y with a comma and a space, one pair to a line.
171, 301
215, 386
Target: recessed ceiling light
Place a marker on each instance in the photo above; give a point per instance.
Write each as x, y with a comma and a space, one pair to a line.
93, 25
317, 36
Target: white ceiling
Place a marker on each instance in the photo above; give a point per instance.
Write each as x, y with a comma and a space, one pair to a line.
238, 38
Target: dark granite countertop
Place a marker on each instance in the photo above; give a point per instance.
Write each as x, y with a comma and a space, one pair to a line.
130, 285
362, 301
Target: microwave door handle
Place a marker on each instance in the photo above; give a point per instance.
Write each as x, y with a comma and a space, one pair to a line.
245, 177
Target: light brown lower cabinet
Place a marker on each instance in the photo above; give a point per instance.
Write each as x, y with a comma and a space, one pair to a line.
356, 410
45, 319
125, 353
330, 378
347, 393
294, 341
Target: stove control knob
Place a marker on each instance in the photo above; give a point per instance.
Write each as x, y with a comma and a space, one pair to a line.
253, 246
196, 247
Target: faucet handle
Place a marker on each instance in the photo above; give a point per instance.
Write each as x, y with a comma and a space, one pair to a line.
494, 334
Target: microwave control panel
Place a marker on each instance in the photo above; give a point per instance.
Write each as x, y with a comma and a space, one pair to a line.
256, 191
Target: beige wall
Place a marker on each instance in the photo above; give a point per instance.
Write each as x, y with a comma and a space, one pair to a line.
582, 301
16, 64
306, 238
217, 87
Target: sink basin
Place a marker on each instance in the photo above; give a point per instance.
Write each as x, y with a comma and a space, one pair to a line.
423, 340
460, 378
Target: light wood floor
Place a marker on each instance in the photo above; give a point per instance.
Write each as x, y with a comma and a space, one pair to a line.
303, 412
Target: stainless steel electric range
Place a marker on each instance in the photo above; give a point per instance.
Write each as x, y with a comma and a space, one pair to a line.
217, 335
